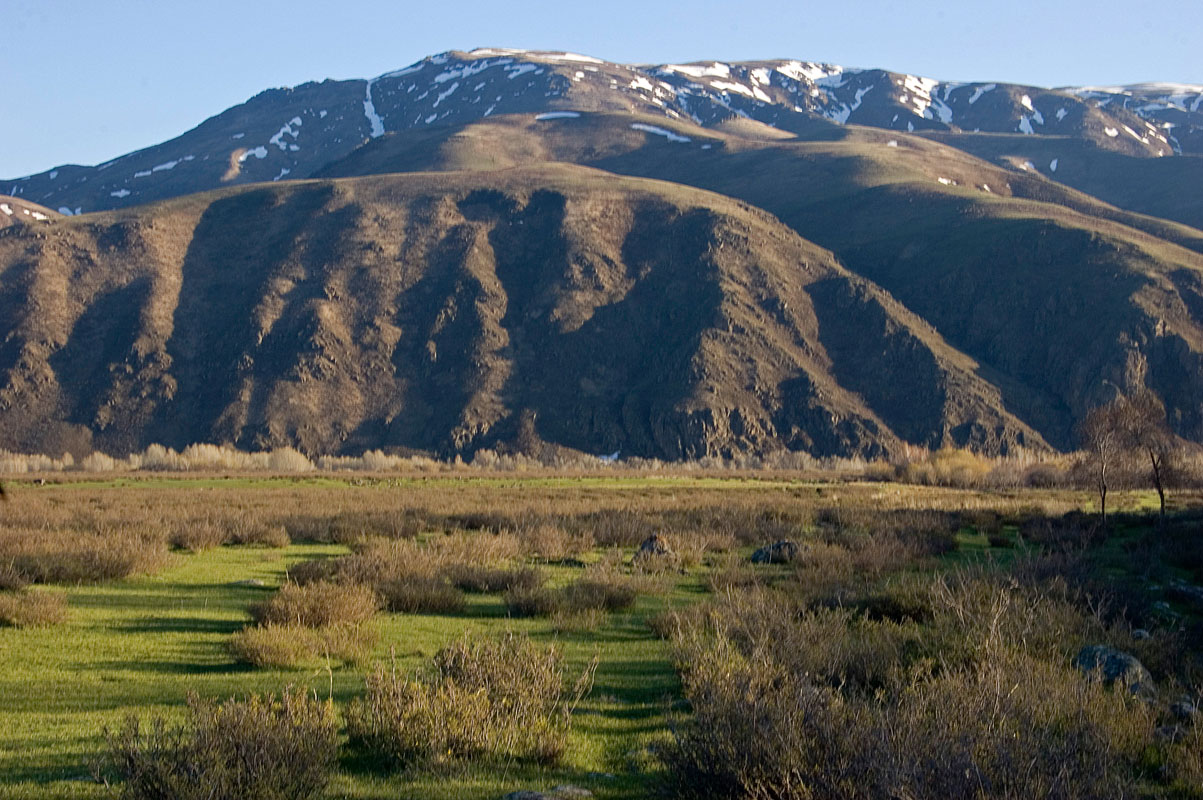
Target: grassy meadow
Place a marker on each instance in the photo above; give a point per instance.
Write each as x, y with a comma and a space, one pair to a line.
896, 594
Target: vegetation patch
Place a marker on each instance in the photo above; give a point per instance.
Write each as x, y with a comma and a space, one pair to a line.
497, 699
264, 747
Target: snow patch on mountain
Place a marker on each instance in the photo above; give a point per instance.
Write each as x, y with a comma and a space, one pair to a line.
369, 110
286, 130
715, 70
556, 115
978, 91
919, 89
672, 137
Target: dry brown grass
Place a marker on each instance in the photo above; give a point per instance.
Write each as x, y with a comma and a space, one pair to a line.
317, 605
32, 609
292, 646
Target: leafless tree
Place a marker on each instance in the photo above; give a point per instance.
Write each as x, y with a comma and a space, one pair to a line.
1125, 434
1146, 435
1102, 438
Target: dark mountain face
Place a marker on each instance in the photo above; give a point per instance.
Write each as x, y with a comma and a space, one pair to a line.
672, 261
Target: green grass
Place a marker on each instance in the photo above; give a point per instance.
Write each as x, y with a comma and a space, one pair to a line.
141, 645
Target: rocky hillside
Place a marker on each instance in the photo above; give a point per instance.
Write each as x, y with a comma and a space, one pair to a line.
448, 313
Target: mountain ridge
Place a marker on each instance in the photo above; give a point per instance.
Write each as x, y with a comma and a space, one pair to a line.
497, 250
292, 132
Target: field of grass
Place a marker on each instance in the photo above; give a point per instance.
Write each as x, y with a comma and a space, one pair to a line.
141, 644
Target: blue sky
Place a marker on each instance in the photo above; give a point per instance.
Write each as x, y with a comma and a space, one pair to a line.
82, 81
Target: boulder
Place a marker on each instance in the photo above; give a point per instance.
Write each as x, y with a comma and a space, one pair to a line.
1115, 665
1185, 710
781, 552
653, 546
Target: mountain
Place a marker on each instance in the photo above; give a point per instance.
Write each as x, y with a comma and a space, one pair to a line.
513, 249
291, 133
443, 312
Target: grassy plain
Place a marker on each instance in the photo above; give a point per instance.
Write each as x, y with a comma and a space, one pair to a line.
142, 643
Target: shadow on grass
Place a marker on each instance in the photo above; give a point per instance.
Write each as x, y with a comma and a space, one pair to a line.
182, 625
175, 667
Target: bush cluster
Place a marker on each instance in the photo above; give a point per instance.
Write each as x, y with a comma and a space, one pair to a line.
300, 624
266, 748
483, 699
965, 689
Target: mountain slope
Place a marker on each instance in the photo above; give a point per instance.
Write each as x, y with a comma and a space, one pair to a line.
445, 313
291, 133
1058, 296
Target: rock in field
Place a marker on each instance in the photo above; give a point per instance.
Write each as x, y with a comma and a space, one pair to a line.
1115, 665
653, 546
781, 552
1185, 710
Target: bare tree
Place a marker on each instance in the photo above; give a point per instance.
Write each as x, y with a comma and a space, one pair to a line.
1102, 437
1124, 434
1146, 434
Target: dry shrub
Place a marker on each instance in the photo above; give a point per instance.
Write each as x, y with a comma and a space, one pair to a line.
261, 535
427, 594
266, 748
484, 521
415, 577
292, 646
356, 526
485, 579
485, 699
980, 702
619, 528
734, 572
10, 579
948, 467
475, 548
597, 590
551, 542
30, 609
317, 605
197, 536
88, 556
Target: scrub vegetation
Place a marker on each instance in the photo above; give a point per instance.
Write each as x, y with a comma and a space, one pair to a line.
467, 634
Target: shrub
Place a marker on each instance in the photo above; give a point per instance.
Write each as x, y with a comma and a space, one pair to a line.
480, 578
28, 609
429, 594
317, 605
262, 747
197, 536
11, 579
74, 556
553, 543
500, 699
292, 646
602, 593
260, 535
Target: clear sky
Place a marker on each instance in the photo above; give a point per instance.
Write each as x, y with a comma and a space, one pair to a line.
82, 81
